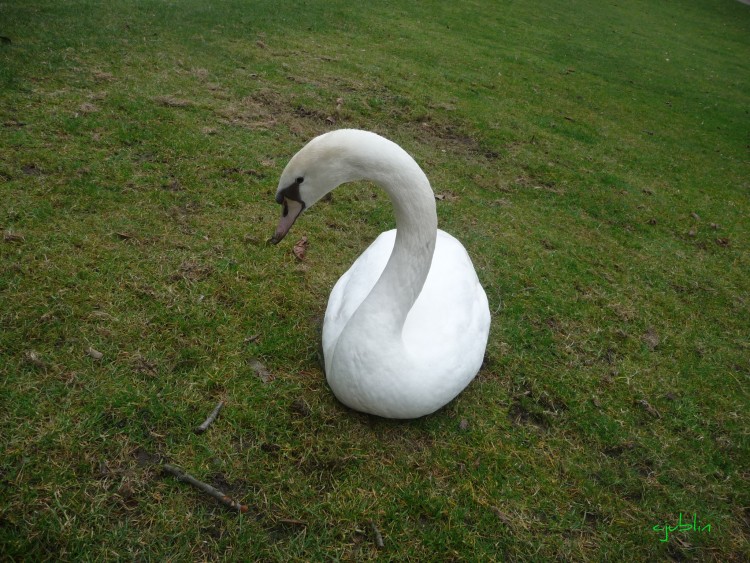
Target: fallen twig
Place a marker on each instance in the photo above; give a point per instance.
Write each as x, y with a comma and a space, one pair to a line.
292, 522
205, 487
378, 537
210, 420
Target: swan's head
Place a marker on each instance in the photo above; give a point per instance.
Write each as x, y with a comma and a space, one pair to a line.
315, 170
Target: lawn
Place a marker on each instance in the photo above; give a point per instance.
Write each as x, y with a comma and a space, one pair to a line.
594, 159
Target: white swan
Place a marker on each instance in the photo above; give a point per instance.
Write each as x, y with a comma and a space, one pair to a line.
406, 327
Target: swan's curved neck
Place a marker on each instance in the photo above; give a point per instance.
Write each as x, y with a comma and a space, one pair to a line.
389, 166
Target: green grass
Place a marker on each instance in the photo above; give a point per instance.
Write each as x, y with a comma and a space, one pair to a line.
597, 155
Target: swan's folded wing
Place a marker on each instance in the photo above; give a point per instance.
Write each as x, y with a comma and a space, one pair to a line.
449, 323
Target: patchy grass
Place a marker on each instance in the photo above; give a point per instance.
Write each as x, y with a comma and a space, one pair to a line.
593, 158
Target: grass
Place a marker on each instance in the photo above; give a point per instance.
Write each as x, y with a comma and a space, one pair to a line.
594, 158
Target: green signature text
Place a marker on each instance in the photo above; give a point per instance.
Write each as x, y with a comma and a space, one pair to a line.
681, 526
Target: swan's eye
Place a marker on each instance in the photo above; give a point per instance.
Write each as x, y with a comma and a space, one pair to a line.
290, 193
300, 180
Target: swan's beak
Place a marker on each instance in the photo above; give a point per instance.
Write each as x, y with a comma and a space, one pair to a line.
292, 210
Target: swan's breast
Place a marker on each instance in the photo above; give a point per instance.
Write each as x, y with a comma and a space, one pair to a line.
446, 329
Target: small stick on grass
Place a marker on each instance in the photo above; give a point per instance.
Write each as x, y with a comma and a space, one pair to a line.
210, 420
205, 487
378, 537
292, 521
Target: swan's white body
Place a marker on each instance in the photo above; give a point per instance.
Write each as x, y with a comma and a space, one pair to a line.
407, 325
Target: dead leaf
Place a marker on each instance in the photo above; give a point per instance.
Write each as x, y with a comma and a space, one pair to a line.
10, 236
261, 44
378, 536
301, 408
502, 516
692, 232
464, 424
104, 470
34, 359
446, 196
651, 338
48, 316
648, 408
330, 120
144, 366
200, 72
260, 370
300, 248
695, 216
87, 107
173, 186
715, 226
723, 241
96, 354
126, 491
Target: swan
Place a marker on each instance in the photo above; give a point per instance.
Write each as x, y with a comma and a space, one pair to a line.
406, 326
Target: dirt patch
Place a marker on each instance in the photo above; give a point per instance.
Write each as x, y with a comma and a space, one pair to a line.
266, 109
538, 408
173, 102
192, 271
445, 134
